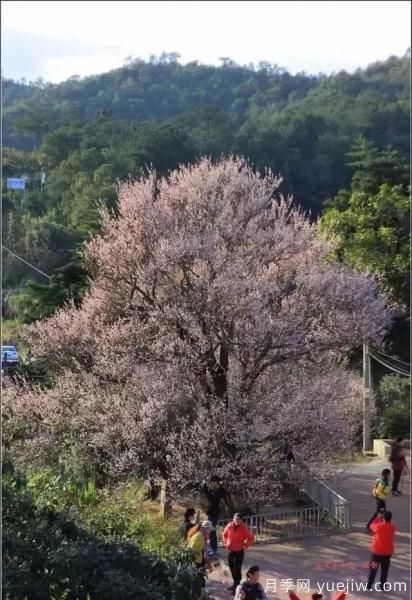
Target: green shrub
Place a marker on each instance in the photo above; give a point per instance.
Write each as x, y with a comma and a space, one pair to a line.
46, 556
54, 490
393, 407
106, 513
121, 513
111, 519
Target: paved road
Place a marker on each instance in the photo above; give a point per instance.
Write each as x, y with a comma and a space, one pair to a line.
337, 558
355, 482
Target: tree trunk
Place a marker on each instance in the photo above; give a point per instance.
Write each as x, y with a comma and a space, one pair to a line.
165, 500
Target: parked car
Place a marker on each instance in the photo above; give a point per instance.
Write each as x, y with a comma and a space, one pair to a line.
9, 356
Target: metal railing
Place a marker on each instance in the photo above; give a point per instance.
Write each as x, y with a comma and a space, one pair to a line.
335, 505
331, 512
282, 525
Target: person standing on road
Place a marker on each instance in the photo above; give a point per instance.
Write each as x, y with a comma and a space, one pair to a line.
237, 537
380, 492
382, 547
398, 461
215, 493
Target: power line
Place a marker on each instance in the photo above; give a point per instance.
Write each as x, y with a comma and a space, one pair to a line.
387, 365
25, 262
390, 357
397, 371
390, 362
392, 365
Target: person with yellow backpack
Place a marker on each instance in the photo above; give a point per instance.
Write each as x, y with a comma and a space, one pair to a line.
381, 492
197, 538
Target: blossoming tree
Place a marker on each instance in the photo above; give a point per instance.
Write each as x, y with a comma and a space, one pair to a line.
213, 331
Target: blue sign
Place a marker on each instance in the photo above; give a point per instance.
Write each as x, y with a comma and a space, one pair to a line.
16, 184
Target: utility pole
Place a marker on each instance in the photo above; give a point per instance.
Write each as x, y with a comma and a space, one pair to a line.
42, 178
367, 396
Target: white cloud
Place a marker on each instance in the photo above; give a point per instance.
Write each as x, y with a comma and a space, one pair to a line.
60, 69
316, 36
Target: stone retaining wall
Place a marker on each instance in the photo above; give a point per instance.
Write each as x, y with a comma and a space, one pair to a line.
383, 447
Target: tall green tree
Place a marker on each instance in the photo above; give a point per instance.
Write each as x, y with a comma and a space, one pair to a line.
34, 120
374, 167
40, 301
370, 222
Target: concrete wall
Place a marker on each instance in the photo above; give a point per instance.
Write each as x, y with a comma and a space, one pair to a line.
383, 448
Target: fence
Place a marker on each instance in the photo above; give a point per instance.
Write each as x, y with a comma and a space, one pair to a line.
330, 513
336, 506
291, 524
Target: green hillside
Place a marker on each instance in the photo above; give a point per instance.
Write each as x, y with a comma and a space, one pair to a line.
88, 133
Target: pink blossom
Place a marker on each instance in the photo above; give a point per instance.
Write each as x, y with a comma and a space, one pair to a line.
213, 327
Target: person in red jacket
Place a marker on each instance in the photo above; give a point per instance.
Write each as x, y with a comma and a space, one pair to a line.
382, 547
236, 538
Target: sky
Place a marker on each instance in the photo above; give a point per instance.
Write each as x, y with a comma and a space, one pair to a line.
58, 39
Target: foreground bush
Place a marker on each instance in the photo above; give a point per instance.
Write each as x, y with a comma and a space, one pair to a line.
47, 556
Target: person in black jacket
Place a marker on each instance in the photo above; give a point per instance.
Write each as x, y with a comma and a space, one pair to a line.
287, 453
215, 493
398, 461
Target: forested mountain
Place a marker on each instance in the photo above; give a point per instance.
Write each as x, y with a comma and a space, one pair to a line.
163, 88
85, 134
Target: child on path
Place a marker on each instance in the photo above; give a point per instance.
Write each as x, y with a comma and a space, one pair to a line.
381, 491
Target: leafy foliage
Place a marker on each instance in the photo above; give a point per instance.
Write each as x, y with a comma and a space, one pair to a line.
87, 133
393, 407
40, 301
46, 555
56, 491
371, 222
